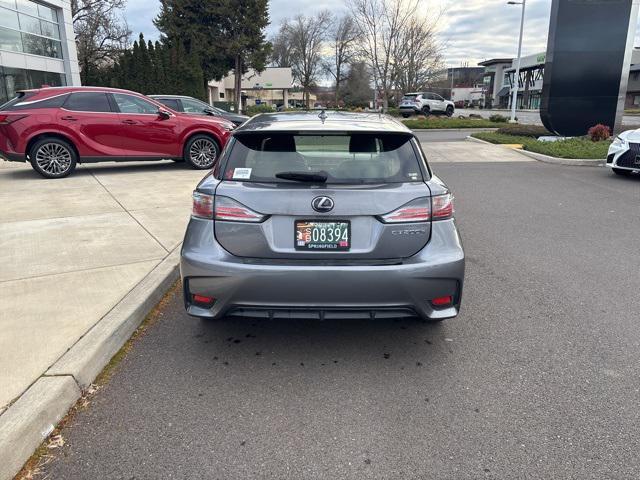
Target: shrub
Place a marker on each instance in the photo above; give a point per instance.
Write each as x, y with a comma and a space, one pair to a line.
496, 117
524, 130
252, 110
599, 132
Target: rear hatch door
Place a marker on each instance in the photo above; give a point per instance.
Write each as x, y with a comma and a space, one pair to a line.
366, 176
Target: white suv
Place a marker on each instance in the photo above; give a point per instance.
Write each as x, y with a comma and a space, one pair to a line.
426, 103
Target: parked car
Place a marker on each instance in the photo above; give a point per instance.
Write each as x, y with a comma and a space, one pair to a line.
330, 215
425, 103
56, 128
194, 106
623, 156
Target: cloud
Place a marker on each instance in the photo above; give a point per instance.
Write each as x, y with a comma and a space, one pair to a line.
472, 30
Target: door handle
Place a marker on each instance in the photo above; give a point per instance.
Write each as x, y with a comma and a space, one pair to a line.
69, 118
129, 122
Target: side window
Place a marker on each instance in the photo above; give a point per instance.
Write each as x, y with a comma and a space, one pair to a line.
172, 103
131, 104
88, 102
438, 97
428, 96
192, 106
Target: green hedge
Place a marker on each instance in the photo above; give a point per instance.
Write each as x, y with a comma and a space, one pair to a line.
524, 130
450, 122
579, 147
252, 110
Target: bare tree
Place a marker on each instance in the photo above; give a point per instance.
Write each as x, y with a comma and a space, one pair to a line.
381, 23
101, 34
418, 59
306, 36
344, 36
281, 46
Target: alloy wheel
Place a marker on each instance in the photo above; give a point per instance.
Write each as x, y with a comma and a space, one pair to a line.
53, 159
203, 152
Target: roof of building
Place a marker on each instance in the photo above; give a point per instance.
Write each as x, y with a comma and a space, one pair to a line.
493, 61
323, 121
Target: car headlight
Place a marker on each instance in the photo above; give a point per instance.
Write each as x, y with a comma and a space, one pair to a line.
618, 142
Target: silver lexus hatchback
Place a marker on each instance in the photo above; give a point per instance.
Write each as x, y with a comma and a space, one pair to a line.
322, 215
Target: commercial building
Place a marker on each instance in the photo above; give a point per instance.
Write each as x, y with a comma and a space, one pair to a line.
37, 46
273, 86
499, 77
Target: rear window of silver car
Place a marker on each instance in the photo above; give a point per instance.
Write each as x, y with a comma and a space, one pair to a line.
343, 158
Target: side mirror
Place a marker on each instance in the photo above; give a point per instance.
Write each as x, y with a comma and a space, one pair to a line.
209, 111
163, 114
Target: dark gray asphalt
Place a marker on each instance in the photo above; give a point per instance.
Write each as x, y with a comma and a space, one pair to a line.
537, 378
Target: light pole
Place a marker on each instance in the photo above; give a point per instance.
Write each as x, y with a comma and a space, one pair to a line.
516, 76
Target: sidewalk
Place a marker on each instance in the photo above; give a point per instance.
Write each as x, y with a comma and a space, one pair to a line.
71, 249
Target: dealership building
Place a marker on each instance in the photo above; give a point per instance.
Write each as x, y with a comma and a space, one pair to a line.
37, 46
499, 77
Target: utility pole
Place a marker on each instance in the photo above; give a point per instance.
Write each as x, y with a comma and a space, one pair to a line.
516, 77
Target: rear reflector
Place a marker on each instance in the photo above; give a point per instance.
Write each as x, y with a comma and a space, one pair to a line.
202, 299
442, 301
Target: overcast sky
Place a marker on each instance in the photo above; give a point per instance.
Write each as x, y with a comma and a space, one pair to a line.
472, 30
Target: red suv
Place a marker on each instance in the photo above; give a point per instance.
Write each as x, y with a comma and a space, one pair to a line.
55, 128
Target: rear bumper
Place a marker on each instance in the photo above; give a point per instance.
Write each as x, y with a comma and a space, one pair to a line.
250, 287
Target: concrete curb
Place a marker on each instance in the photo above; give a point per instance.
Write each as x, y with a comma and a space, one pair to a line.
28, 421
576, 162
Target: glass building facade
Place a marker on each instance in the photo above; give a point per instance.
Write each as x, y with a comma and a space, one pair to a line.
30, 28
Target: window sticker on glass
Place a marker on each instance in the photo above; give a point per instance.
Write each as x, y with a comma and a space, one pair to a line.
242, 173
413, 176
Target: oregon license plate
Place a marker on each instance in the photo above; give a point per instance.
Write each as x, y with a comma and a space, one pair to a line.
321, 235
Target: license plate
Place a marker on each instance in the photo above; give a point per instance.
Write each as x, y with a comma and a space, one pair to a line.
321, 235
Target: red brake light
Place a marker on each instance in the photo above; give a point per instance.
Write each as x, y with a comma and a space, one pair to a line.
203, 299
6, 118
442, 206
231, 211
202, 205
418, 210
439, 207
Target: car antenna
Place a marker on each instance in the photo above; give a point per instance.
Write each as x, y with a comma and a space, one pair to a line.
322, 116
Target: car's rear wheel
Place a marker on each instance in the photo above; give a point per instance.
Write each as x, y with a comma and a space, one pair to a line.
406, 115
201, 152
620, 171
426, 111
449, 111
53, 157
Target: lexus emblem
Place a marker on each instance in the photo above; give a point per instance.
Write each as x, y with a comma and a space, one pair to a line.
322, 204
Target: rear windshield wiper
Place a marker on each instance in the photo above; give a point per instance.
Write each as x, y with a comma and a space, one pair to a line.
303, 176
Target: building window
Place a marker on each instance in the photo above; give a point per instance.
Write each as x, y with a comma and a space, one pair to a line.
221, 94
29, 27
16, 79
636, 100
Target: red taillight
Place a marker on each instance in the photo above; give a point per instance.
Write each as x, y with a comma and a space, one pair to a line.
7, 118
418, 210
442, 207
229, 210
202, 205
442, 301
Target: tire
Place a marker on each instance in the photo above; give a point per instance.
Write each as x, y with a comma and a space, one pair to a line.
201, 152
406, 115
426, 110
53, 157
622, 172
449, 111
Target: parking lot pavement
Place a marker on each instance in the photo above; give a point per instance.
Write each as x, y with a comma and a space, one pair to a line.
465, 151
537, 378
71, 248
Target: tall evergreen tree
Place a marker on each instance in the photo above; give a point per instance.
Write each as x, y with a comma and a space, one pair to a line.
224, 35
